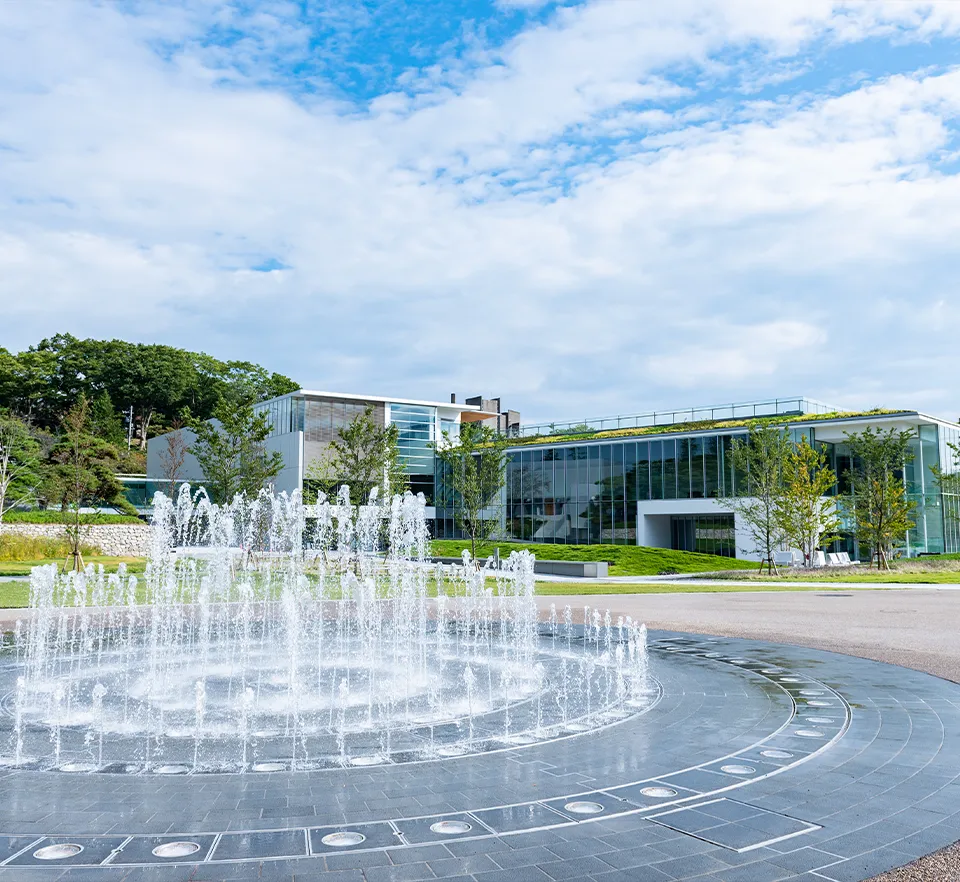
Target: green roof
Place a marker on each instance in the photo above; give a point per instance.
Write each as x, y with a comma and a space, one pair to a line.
701, 426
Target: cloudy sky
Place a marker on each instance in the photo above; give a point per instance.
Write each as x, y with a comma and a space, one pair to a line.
584, 207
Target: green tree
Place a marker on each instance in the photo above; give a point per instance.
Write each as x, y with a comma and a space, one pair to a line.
364, 455
878, 504
45, 381
761, 458
948, 480
21, 466
84, 471
105, 422
474, 466
230, 449
807, 517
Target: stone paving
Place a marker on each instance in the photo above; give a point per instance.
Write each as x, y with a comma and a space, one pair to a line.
759, 762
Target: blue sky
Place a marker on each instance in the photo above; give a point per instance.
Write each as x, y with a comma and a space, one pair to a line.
583, 207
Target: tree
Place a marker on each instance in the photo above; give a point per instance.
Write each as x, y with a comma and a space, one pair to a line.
105, 422
806, 516
231, 451
84, 471
474, 466
173, 459
761, 458
46, 380
948, 480
20, 463
878, 500
364, 455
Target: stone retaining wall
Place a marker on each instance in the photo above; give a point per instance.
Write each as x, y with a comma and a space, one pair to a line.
116, 540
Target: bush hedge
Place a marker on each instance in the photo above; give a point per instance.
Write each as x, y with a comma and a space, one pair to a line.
51, 516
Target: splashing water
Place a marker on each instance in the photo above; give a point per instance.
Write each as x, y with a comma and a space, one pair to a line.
271, 634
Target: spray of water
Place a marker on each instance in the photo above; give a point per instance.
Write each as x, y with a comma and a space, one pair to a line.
269, 633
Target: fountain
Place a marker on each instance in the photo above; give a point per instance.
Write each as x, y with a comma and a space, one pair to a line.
269, 635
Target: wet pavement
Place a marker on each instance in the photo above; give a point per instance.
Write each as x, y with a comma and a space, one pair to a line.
758, 762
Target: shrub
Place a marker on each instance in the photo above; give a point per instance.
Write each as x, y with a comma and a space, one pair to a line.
15, 546
55, 516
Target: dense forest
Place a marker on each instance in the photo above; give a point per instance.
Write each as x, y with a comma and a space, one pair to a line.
158, 382
76, 413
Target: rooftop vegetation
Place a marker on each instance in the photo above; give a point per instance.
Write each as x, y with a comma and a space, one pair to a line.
584, 433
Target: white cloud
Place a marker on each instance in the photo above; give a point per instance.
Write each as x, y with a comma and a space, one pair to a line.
707, 366
471, 238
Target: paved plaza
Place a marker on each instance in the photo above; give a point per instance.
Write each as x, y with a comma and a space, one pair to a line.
757, 761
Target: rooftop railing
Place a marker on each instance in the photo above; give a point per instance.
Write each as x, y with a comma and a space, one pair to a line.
712, 412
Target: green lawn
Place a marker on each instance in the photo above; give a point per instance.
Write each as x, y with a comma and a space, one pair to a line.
625, 560
14, 595
23, 567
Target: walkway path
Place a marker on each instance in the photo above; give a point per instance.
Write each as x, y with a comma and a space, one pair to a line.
917, 627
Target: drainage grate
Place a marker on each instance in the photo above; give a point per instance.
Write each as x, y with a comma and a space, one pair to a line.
737, 826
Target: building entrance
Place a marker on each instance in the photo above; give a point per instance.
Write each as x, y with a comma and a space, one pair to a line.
706, 534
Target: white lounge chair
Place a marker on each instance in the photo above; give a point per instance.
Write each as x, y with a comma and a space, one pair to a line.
784, 558
819, 560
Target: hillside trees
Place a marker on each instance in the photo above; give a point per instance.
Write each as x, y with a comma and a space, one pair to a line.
44, 382
20, 463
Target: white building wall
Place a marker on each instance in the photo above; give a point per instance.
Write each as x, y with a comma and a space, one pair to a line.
653, 522
290, 446
157, 446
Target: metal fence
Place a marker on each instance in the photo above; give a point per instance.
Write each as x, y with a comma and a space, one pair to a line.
712, 412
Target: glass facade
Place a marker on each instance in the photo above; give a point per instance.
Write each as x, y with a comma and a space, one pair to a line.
949, 484
321, 420
587, 493
415, 424
324, 418
284, 414
706, 534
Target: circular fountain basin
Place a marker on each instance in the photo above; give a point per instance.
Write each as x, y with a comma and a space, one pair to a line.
658, 792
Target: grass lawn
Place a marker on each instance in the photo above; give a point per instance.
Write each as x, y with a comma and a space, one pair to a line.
16, 595
23, 567
625, 560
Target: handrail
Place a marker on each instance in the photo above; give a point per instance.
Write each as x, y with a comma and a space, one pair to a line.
711, 412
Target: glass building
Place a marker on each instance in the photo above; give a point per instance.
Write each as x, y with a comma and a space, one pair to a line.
303, 423
663, 487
